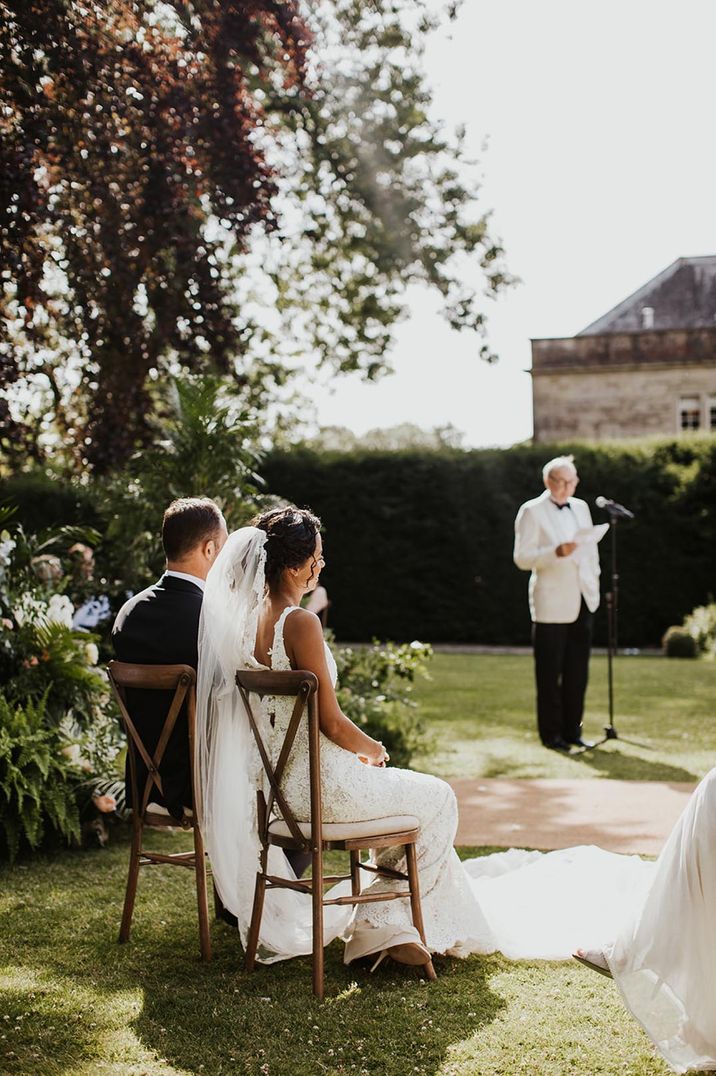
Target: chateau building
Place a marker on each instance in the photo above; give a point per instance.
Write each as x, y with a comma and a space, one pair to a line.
648, 367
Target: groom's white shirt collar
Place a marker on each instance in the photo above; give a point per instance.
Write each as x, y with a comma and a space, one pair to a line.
201, 583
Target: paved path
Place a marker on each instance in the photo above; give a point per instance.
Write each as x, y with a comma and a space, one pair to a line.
621, 816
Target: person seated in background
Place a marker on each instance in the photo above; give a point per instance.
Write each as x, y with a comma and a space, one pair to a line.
318, 603
95, 609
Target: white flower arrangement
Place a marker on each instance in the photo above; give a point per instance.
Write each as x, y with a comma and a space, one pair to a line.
29, 609
91, 654
7, 545
60, 610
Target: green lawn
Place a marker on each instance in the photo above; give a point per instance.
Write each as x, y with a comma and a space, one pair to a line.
74, 1002
481, 711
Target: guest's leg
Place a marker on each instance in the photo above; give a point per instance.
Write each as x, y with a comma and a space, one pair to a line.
549, 645
576, 673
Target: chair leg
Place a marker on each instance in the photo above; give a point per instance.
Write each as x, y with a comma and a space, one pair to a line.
415, 906
201, 895
355, 873
252, 940
132, 879
317, 896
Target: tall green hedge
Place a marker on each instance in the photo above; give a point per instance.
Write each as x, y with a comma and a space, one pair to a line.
44, 501
419, 544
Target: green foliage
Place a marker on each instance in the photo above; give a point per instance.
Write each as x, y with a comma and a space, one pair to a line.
158, 249
204, 442
419, 543
375, 684
37, 780
701, 626
45, 499
58, 728
679, 643
41, 655
383, 192
204, 445
128, 135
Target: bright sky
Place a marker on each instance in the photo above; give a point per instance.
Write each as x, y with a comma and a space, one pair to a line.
601, 171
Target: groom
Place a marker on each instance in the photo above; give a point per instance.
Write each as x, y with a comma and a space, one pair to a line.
160, 626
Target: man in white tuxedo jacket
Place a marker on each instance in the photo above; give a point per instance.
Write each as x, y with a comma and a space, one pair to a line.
563, 595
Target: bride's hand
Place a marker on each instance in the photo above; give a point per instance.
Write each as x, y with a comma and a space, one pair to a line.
378, 757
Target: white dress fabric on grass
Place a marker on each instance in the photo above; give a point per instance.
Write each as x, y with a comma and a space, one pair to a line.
664, 956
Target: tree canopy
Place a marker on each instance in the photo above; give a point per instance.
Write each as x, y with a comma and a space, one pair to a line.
230, 187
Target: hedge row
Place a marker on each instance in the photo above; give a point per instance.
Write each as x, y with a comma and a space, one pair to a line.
419, 544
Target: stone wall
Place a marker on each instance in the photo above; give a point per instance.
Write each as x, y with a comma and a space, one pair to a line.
617, 385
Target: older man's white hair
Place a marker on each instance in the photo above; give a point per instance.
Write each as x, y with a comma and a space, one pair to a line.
553, 465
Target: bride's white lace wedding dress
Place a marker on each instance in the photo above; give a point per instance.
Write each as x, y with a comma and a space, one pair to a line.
657, 921
353, 791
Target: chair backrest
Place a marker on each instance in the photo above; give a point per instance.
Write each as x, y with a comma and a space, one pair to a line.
303, 686
181, 679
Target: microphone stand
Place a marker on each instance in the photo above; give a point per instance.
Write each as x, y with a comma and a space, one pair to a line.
612, 600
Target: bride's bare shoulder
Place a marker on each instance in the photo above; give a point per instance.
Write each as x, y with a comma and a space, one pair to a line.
302, 624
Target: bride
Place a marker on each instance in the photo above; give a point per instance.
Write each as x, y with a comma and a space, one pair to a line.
524, 904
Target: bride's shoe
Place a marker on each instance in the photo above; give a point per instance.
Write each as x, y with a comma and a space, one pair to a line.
414, 954
594, 959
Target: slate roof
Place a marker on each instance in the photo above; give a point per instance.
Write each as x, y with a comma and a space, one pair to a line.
681, 297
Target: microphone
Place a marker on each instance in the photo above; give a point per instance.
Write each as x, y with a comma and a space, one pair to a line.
613, 508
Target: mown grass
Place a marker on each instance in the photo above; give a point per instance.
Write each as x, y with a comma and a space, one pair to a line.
480, 709
73, 1001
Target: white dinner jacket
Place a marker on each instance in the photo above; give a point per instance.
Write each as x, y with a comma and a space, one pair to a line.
557, 584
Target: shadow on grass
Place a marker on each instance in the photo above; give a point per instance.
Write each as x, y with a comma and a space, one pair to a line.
82, 1003
609, 761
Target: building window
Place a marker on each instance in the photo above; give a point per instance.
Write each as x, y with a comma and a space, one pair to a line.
690, 413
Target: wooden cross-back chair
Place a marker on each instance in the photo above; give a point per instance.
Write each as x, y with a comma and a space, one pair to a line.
315, 836
181, 679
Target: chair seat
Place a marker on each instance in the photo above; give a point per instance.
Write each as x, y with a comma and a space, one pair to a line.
156, 808
347, 831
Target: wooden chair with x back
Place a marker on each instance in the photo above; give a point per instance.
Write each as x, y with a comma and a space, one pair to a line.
278, 824
181, 679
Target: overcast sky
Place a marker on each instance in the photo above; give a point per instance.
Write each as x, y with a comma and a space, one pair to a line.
601, 171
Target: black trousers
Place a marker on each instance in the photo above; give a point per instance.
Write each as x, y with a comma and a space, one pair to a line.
561, 673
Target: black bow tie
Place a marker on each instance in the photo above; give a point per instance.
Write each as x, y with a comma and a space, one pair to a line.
561, 506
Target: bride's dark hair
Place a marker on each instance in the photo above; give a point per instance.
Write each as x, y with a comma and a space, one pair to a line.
291, 538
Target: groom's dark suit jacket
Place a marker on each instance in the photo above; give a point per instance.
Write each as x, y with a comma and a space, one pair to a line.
160, 626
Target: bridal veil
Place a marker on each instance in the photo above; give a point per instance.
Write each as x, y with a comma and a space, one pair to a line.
228, 767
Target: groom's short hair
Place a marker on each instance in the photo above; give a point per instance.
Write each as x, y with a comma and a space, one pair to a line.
188, 522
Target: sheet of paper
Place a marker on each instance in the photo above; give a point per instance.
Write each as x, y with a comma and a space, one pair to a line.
591, 535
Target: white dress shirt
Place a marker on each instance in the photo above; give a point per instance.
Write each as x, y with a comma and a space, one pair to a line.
201, 583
